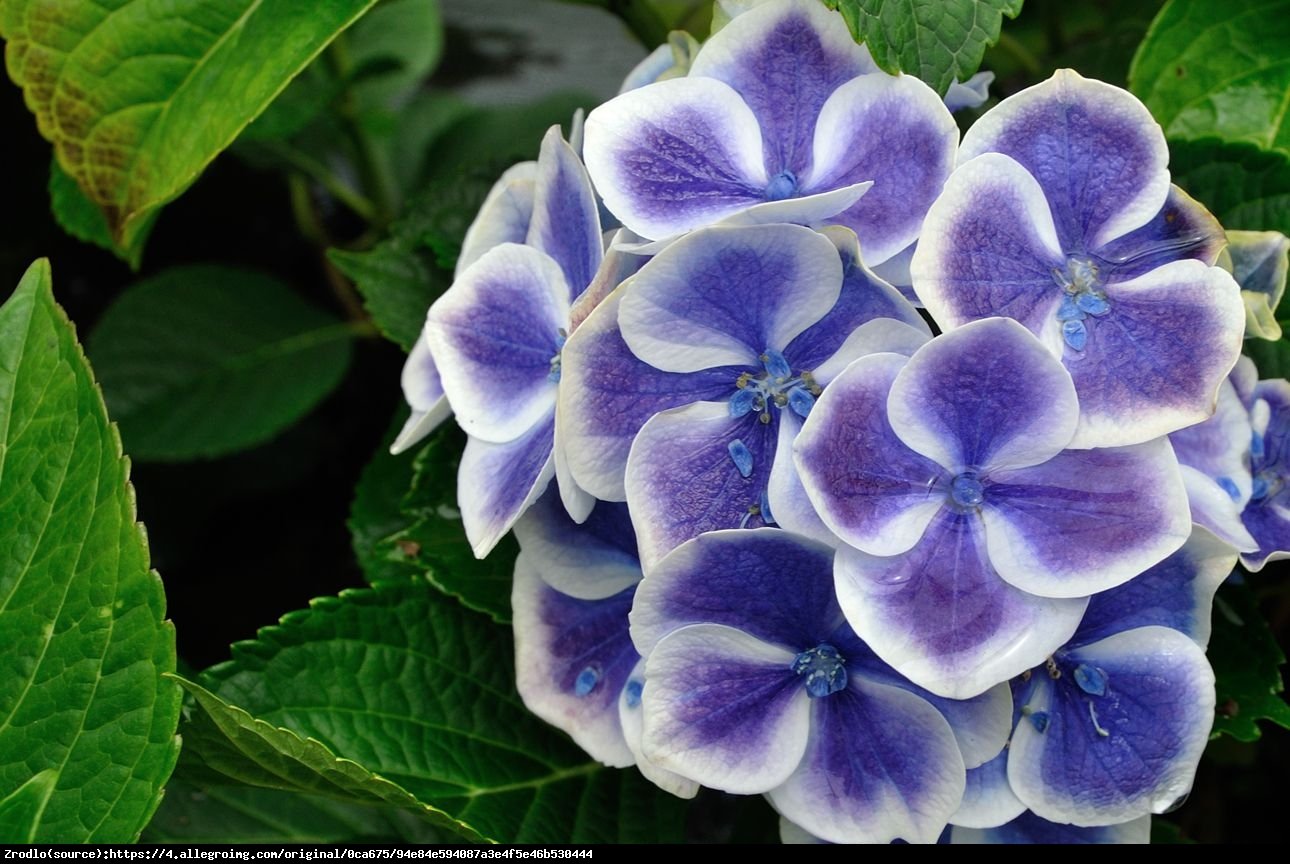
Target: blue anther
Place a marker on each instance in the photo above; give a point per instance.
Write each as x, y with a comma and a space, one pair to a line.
764, 508
1090, 679
1068, 311
741, 456
776, 365
782, 185
586, 681
801, 401
1039, 719
632, 692
1092, 304
1229, 486
823, 668
966, 491
743, 401
1075, 334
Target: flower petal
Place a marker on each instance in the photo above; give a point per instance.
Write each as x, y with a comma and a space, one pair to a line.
588, 561
985, 396
764, 582
503, 217
724, 709
631, 715
1220, 446
853, 143
790, 506
1154, 364
1029, 828
881, 764
496, 483
988, 800
675, 156
1086, 520
607, 393
683, 477
1213, 509
615, 268
572, 660
989, 247
493, 335
942, 617
867, 486
1096, 150
1121, 755
1182, 229
566, 218
724, 295
423, 392
784, 60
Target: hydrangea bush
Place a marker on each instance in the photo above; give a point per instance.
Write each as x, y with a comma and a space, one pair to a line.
815, 455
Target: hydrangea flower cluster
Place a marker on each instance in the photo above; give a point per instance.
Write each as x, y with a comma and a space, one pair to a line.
907, 586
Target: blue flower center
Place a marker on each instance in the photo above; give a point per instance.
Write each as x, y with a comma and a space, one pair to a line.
822, 669
782, 185
1082, 298
560, 339
966, 491
776, 385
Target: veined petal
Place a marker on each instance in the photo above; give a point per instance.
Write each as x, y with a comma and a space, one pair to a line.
812, 210
1182, 229
1177, 593
1094, 148
879, 336
790, 506
675, 155
1213, 509
572, 660
423, 392
1220, 446
607, 393
784, 60
942, 617
764, 582
588, 561
566, 218
1031, 829
981, 724
988, 800
496, 483
1154, 364
615, 268
853, 143
493, 335
983, 397
1086, 520
989, 247
724, 709
881, 764
577, 501
503, 217
1127, 752
867, 486
724, 295
631, 715
685, 475
1259, 264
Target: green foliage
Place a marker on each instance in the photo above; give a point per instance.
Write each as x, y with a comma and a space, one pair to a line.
228, 813
79, 217
1208, 69
937, 40
137, 103
419, 694
1246, 661
375, 515
206, 360
87, 722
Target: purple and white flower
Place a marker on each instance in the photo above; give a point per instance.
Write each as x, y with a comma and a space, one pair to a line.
782, 118
756, 684
1267, 511
682, 389
1031, 829
974, 534
1061, 215
1259, 263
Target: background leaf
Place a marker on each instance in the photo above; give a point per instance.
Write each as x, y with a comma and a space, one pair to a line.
81, 616
937, 40
81, 218
420, 692
376, 514
205, 360
1218, 69
138, 97
1247, 663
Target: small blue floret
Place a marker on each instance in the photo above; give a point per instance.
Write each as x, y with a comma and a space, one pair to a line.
741, 456
586, 681
632, 693
1039, 719
1069, 311
1075, 334
782, 185
1090, 679
1092, 304
801, 401
823, 668
776, 365
967, 491
742, 402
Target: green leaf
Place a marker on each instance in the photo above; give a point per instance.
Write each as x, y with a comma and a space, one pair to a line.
375, 513
421, 693
937, 40
403, 39
1206, 69
435, 540
1246, 661
227, 813
79, 217
206, 360
81, 615
137, 97
21, 811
